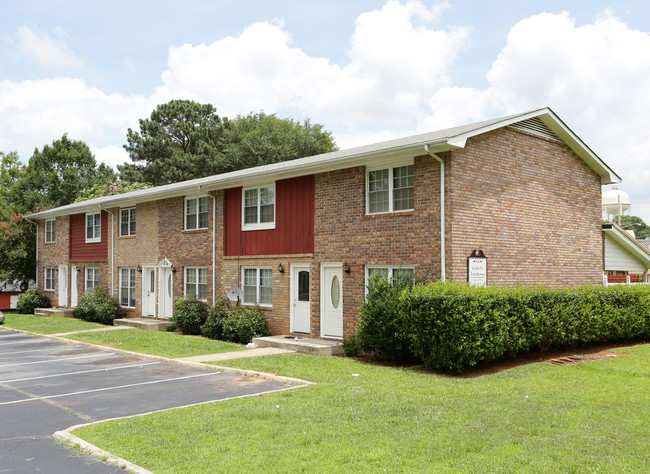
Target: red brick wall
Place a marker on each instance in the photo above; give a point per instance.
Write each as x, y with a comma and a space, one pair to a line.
530, 204
344, 233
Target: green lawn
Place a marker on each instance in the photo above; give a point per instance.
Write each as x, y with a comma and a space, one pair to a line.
47, 325
166, 344
588, 417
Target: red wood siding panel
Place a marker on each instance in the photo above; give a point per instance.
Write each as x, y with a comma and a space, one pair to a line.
79, 249
294, 221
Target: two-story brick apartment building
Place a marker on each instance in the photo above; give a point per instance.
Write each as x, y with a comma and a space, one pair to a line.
302, 237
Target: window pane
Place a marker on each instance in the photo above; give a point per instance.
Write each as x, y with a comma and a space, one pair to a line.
403, 188
250, 197
203, 291
267, 213
203, 220
378, 180
250, 215
267, 196
303, 286
250, 285
203, 204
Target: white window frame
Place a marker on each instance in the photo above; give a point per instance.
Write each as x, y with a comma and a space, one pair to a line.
197, 281
391, 186
258, 285
97, 227
258, 225
95, 281
197, 219
50, 232
130, 289
130, 211
389, 268
52, 279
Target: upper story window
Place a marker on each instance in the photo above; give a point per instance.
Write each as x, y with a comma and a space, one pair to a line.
196, 213
390, 189
94, 227
196, 282
49, 278
258, 208
127, 221
50, 230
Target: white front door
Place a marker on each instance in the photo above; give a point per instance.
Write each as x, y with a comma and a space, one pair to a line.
74, 294
332, 300
166, 293
148, 291
63, 285
300, 306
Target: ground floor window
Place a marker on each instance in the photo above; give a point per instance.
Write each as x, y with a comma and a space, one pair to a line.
196, 282
49, 278
127, 287
389, 272
92, 279
258, 285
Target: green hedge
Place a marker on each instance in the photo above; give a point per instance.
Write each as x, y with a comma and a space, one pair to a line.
32, 299
98, 306
453, 326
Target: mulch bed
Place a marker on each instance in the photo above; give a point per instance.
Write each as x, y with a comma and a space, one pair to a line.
554, 357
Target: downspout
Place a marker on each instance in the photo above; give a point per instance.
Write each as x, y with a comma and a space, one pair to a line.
36, 224
214, 243
442, 212
112, 247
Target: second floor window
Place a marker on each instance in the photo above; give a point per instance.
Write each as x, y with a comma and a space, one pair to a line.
127, 221
391, 190
50, 230
259, 208
196, 213
94, 227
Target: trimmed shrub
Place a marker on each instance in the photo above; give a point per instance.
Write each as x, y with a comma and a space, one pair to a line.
213, 326
352, 346
98, 306
190, 314
453, 326
381, 327
245, 323
32, 299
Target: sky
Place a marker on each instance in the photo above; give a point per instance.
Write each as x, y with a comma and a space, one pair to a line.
367, 70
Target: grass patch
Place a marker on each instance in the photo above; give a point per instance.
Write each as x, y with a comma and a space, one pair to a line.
47, 325
588, 417
166, 344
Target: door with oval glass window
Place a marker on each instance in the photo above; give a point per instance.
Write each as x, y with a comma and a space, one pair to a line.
332, 300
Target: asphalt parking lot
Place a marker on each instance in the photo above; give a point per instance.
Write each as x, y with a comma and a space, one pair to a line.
48, 385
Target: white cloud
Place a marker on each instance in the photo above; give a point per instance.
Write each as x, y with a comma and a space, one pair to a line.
110, 155
33, 113
395, 60
50, 53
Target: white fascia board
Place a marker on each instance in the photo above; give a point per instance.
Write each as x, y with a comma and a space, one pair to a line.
629, 243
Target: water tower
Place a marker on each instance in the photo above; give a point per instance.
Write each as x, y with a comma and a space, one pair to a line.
615, 203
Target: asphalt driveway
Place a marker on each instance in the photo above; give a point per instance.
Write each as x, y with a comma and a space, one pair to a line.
48, 385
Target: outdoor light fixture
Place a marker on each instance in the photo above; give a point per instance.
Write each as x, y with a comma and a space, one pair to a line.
173, 269
346, 267
280, 268
139, 268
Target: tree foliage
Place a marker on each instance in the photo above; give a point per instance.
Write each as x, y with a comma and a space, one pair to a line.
110, 188
11, 170
58, 174
640, 228
180, 141
186, 140
17, 248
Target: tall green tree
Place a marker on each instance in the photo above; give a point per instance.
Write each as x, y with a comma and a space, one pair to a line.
180, 141
260, 139
110, 188
58, 174
11, 170
17, 249
640, 228
185, 140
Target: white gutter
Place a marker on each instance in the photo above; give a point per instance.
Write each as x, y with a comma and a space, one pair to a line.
112, 247
443, 249
214, 244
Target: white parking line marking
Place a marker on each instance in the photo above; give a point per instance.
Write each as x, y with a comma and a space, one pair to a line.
49, 397
78, 372
58, 359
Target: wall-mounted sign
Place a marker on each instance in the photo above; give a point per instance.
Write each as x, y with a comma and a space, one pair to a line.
477, 268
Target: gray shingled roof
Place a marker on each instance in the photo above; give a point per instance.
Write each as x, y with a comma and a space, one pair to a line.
440, 140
